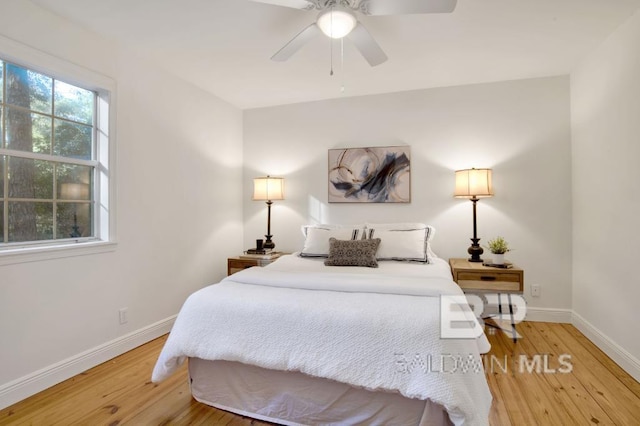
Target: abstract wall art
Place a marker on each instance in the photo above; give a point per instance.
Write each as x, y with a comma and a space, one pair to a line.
370, 175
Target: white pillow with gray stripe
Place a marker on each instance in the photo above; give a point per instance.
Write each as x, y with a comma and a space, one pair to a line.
316, 243
402, 241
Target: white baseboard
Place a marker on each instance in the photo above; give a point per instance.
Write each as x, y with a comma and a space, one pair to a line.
548, 315
624, 359
21, 388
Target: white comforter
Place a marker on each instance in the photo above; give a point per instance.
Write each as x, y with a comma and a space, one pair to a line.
373, 329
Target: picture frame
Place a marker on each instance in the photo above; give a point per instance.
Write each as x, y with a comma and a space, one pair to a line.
370, 175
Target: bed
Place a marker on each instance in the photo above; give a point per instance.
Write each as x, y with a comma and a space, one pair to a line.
298, 342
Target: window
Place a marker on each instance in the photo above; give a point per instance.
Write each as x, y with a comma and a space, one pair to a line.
55, 176
48, 160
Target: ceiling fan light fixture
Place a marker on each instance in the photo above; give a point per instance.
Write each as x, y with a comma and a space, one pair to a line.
337, 22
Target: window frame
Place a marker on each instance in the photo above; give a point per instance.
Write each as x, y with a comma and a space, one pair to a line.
104, 212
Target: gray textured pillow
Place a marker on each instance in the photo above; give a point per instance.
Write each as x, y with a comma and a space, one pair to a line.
353, 252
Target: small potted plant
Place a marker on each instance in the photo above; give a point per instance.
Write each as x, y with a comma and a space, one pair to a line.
498, 247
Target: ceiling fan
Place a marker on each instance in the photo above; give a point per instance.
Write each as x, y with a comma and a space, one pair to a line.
337, 19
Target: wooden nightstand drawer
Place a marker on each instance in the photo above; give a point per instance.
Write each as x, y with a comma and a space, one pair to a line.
489, 281
477, 277
236, 264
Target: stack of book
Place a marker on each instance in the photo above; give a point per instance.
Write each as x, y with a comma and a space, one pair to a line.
261, 254
505, 265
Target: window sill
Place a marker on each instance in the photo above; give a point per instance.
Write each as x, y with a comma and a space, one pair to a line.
35, 254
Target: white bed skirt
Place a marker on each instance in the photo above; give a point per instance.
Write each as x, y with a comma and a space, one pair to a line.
293, 398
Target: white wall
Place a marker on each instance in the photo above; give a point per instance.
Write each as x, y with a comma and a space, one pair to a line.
179, 215
521, 129
605, 104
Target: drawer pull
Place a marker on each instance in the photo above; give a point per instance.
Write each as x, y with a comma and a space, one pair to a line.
487, 278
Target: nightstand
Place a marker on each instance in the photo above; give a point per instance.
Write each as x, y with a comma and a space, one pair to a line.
237, 263
473, 277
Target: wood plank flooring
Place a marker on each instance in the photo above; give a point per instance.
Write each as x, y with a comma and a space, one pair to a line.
530, 382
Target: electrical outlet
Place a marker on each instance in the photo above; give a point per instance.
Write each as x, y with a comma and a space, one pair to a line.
124, 315
535, 290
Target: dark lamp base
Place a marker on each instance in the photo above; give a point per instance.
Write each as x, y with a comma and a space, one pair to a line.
268, 244
475, 251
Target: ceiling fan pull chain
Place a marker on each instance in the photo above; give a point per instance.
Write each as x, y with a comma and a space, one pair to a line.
331, 71
331, 43
342, 64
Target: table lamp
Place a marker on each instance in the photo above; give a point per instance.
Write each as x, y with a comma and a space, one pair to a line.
267, 189
474, 184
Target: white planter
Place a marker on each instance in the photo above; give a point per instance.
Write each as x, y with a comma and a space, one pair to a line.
498, 259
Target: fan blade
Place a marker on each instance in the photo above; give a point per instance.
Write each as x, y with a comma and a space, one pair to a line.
296, 43
294, 4
407, 7
367, 46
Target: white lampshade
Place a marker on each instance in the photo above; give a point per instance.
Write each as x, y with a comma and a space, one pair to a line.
473, 183
337, 22
268, 188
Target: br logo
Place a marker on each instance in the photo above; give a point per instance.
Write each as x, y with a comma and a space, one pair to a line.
461, 315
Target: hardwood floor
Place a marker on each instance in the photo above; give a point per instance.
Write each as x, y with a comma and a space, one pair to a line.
594, 391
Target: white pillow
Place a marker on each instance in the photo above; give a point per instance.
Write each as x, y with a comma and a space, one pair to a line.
402, 241
402, 226
316, 243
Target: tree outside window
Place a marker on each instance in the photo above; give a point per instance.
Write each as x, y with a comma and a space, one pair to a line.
47, 157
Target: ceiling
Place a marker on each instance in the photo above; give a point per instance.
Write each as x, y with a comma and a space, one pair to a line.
224, 46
